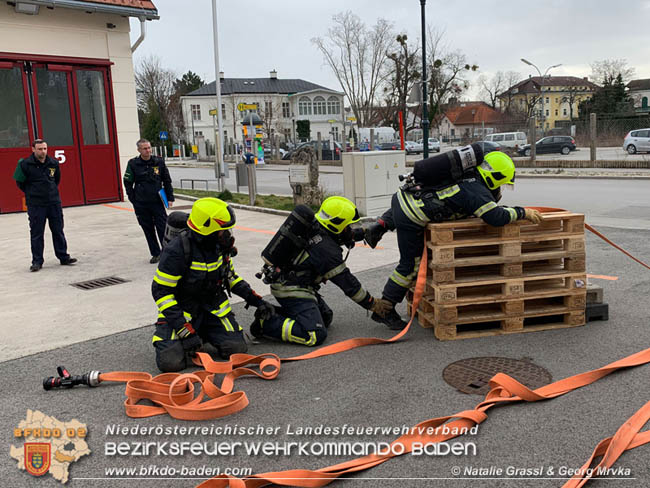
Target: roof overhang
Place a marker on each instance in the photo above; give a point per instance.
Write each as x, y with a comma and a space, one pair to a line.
106, 8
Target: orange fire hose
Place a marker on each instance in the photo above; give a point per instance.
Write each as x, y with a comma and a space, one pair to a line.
176, 394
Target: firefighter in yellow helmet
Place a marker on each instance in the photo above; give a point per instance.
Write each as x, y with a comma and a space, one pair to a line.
475, 193
191, 287
303, 316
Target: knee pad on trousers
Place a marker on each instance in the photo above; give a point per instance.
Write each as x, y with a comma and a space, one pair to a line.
226, 348
170, 356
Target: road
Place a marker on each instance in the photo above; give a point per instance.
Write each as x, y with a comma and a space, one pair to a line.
598, 199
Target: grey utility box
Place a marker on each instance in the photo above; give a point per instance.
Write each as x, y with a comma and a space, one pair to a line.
370, 178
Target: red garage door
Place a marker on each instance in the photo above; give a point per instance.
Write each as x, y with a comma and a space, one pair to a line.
67, 105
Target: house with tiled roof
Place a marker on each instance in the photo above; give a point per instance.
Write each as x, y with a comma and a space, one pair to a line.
467, 119
280, 104
66, 76
550, 99
639, 91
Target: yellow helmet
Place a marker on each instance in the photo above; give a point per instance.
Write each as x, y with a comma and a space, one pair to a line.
210, 215
497, 169
336, 213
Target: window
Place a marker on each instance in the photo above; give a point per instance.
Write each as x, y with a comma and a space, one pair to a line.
557, 100
333, 105
319, 106
556, 112
510, 137
92, 105
54, 107
521, 136
644, 102
13, 117
223, 110
268, 110
286, 113
287, 134
304, 106
546, 101
564, 111
196, 112
498, 138
198, 133
547, 112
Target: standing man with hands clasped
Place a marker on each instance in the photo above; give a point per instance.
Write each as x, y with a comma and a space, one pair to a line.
38, 176
144, 178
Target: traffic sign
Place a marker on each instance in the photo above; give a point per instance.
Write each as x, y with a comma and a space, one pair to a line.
331, 121
163, 135
213, 111
246, 106
352, 119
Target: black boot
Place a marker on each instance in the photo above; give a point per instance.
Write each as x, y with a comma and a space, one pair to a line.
373, 233
392, 320
256, 329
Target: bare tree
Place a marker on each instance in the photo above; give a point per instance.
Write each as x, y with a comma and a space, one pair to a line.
498, 88
403, 74
155, 94
605, 71
447, 73
573, 94
357, 56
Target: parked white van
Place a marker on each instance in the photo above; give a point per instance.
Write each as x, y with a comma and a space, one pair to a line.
508, 139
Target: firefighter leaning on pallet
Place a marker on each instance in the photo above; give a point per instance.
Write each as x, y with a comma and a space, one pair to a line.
191, 288
302, 255
448, 186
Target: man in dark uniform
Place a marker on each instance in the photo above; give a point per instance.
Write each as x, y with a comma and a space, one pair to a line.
144, 177
38, 176
191, 287
304, 316
476, 194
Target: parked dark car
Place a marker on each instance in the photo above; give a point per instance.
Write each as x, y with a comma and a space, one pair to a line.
389, 146
327, 151
551, 144
488, 146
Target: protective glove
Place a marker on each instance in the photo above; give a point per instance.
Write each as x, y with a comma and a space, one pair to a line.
185, 331
264, 311
381, 306
533, 215
191, 344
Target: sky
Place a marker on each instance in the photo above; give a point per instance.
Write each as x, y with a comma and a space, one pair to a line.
257, 37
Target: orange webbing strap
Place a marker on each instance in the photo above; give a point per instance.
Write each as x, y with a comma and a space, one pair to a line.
594, 231
504, 390
176, 394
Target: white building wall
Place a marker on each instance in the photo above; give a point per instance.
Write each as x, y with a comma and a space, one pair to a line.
74, 33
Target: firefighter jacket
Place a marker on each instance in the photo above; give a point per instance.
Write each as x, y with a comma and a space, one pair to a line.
322, 260
468, 197
39, 181
185, 286
143, 179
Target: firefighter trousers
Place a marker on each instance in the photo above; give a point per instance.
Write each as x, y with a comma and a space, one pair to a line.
299, 320
222, 333
410, 241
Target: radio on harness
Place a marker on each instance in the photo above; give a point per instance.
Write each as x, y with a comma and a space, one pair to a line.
291, 238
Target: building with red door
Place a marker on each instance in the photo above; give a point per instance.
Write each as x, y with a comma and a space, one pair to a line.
66, 76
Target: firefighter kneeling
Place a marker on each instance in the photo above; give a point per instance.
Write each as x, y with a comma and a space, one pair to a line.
191, 288
303, 254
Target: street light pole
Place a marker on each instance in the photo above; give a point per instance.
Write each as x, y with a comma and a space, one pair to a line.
219, 164
425, 111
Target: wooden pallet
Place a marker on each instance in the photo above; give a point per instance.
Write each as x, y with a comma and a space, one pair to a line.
491, 310
510, 325
494, 290
471, 230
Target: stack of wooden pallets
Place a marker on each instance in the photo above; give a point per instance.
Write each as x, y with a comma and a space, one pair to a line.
522, 277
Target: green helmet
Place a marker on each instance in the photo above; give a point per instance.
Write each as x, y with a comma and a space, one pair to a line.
336, 213
497, 169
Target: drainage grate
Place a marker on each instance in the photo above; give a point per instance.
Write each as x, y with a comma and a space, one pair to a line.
473, 374
99, 283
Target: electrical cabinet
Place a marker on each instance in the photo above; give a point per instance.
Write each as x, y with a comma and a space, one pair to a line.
370, 178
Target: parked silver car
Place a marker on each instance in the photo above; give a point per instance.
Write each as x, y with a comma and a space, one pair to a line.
637, 141
434, 144
413, 147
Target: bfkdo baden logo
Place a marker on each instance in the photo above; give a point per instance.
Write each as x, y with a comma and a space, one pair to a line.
37, 457
50, 445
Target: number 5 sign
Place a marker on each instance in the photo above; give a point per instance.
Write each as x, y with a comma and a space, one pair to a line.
60, 155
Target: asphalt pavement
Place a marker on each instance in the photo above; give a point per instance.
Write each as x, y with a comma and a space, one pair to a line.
389, 386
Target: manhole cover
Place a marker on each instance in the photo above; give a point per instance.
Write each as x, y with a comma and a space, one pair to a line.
99, 283
473, 374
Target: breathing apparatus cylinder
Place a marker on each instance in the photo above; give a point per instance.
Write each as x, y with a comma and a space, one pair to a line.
448, 167
176, 223
291, 238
